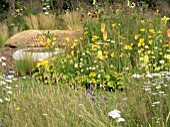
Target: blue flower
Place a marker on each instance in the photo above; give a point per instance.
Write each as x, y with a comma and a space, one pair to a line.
88, 92
6, 73
93, 94
93, 99
105, 98
91, 86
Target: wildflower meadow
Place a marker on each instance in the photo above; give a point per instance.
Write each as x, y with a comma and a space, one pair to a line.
115, 74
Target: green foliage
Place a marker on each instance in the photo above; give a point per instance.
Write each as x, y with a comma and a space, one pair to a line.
24, 66
2, 43
3, 10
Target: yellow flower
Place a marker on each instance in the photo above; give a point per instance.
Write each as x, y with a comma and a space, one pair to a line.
93, 47
99, 54
17, 10
139, 52
86, 28
145, 59
142, 29
153, 57
165, 19
106, 52
149, 36
92, 80
112, 54
142, 21
121, 54
150, 42
165, 56
46, 67
81, 38
104, 35
146, 46
129, 47
41, 77
18, 108
141, 42
94, 88
94, 2
78, 30
54, 38
168, 56
85, 33
67, 39
159, 32
76, 65
72, 53
94, 38
32, 45
38, 64
44, 37
114, 24
48, 40
102, 27
137, 36
74, 44
98, 46
92, 74
152, 31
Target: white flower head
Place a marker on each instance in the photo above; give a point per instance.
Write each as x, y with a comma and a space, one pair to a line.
120, 120
7, 99
149, 76
156, 103
9, 92
3, 58
3, 64
136, 76
8, 87
114, 114
46, 13
1, 100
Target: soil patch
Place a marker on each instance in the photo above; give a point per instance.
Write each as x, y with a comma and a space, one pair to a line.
7, 52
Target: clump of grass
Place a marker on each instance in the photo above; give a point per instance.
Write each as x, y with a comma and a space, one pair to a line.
72, 19
3, 34
25, 65
32, 22
44, 22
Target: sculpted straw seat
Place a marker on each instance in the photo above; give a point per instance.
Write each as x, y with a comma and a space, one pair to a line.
29, 38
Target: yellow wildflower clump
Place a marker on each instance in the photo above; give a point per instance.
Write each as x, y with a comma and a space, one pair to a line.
41, 63
99, 54
141, 42
128, 47
137, 36
165, 19
142, 29
92, 74
94, 38
112, 54
152, 31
